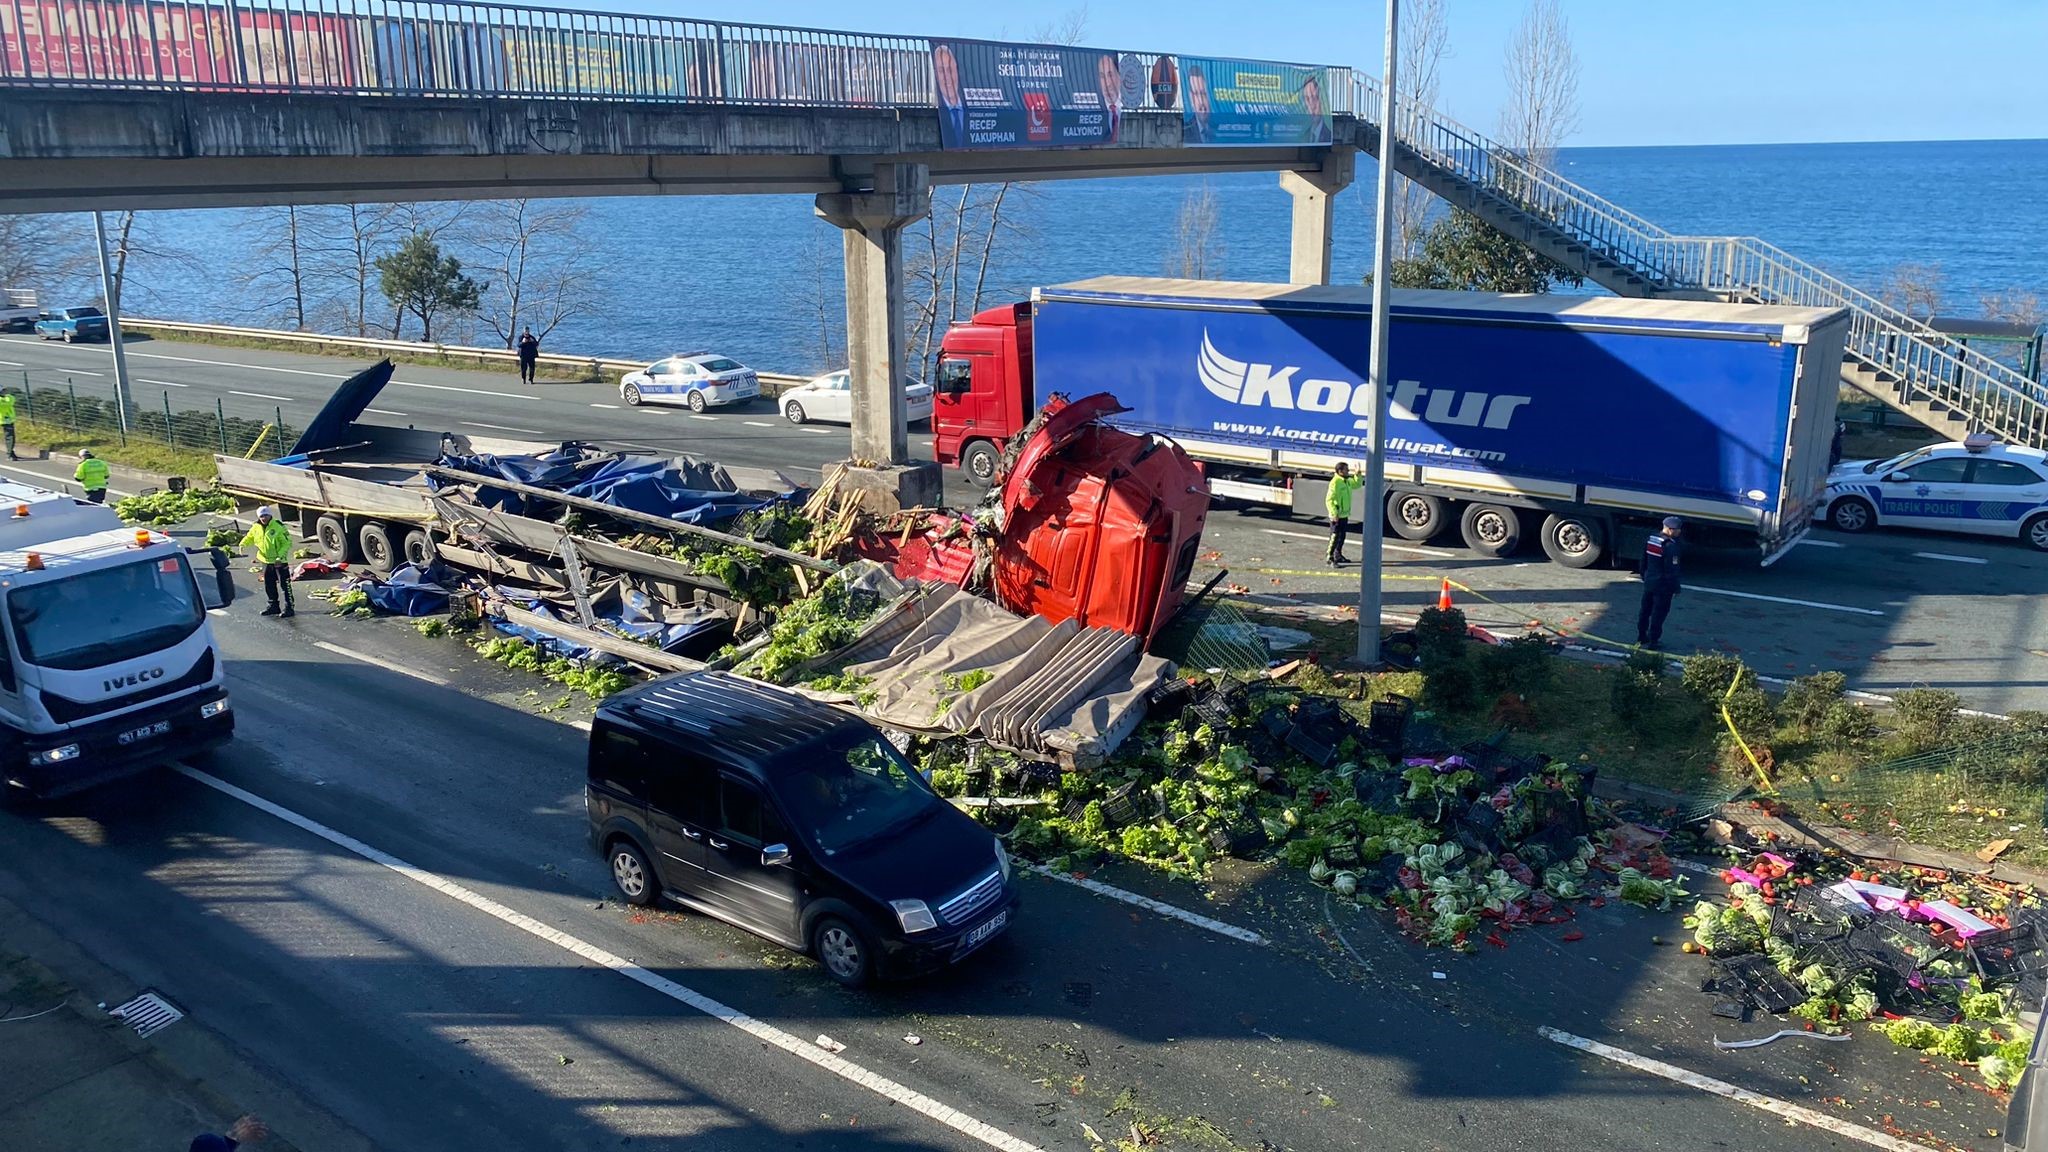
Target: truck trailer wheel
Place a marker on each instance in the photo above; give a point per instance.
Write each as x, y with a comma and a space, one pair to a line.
1415, 516
331, 537
1491, 530
980, 460
1573, 541
417, 549
378, 552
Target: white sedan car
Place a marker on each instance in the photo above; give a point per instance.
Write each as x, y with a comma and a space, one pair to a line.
1976, 486
700, 379
830, 397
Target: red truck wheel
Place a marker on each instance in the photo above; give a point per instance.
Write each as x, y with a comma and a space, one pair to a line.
980, 460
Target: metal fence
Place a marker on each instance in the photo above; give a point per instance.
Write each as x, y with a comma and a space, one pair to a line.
61, 411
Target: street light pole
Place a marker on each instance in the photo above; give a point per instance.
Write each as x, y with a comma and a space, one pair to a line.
124, 398
1373, 526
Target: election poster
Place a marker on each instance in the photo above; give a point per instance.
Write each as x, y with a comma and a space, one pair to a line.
1239, 103
115, 42
1026, 95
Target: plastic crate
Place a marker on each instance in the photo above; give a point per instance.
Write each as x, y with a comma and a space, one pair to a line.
2007, 955
1221, 706
1239, 838
1763, 985
1317, 751
1170, 699
1380, 792
1387, 726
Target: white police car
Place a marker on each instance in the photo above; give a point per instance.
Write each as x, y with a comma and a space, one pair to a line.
700, 379
1978, 486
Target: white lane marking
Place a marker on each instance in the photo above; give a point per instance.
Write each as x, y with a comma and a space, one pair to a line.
1150, 905
1784, 600
165, 383
611, 406
77, 372
817, 431
1810, 542
470, 391
383, 411
12, 364
1320, 539
261, 396
233, 364
1436, 552
636, 447
502, 428
1792, 1113
758, 423
699, 416
373, 661
1951, 559
766, 1033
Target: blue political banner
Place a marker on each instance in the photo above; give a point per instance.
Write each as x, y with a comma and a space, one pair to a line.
1240, 103
1026, 95
1700, 416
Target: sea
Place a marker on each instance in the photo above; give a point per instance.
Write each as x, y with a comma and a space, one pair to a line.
757, 277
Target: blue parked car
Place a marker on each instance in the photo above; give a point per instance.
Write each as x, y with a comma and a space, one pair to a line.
73, 324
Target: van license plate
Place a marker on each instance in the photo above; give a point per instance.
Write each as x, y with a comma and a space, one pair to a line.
994, 925
156, 729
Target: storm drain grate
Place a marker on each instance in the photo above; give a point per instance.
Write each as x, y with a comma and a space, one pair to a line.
149, 1014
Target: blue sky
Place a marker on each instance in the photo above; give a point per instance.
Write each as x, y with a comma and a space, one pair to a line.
1652, 71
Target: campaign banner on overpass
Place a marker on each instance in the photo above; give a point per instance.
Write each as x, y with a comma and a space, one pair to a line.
48, 40
1247, 103
1025, 95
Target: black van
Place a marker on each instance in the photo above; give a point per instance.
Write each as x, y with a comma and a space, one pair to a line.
792, 820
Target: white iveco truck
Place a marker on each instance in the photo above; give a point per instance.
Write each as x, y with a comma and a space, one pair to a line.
108, 665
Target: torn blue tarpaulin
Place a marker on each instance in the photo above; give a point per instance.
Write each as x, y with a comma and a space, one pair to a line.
684, 490
408, 592
637, 618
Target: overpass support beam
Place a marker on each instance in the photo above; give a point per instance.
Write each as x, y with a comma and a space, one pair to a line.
872, 222
1315, 202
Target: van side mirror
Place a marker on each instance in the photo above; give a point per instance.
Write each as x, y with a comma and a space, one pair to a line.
216, 587
775, 856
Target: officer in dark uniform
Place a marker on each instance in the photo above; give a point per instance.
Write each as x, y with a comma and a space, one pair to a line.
1661, 556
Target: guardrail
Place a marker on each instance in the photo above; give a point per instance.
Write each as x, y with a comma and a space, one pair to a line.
772, 382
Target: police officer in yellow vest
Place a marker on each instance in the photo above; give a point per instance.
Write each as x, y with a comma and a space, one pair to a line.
273, 544
7, 422
1343, 488
92, 476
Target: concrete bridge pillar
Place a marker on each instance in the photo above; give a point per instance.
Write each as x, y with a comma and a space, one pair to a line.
1315, 201
872, 221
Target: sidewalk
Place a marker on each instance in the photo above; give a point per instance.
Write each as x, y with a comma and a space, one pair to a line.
76, 1079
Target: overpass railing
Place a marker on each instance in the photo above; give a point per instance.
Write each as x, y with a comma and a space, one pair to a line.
406, 47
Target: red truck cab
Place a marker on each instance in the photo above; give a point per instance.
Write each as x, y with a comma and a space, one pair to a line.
985, 392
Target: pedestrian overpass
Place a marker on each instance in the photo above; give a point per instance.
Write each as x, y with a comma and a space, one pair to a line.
184, 103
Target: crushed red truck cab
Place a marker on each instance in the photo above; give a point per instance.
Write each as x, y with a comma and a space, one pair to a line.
1092, 524
1099, 525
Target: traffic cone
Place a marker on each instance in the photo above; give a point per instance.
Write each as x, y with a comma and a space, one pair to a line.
1443, 598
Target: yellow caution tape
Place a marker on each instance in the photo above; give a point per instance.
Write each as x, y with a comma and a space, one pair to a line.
1763, 781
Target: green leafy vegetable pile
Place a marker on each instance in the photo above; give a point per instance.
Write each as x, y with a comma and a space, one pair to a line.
807, 629
162, 509
593, 679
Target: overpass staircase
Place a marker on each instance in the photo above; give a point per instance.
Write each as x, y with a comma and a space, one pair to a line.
1889, 354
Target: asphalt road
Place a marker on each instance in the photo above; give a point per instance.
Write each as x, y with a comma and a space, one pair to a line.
1890, 609
430, 1023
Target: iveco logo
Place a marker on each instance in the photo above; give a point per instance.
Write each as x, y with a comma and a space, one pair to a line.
1263, 385
133, 679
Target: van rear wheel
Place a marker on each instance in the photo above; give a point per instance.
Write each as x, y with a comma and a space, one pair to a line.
631, 874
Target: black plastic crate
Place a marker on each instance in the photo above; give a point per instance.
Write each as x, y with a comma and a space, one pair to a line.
1763, 985
1222, 705
1380, 792
2006, 955
1126, 805
1241, 838
1903, 946
1387, 726
1275, 721
1306, 744
1170, 699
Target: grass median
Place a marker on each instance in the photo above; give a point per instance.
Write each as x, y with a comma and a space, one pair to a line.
425, 358
139, 453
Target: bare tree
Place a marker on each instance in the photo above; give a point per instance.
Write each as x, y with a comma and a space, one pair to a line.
45, 253
132, 245
279, 274
343, 245
2015, 306
1425, 42
1914, 289
1542, 107
538, 257
825, 298
1198, 237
